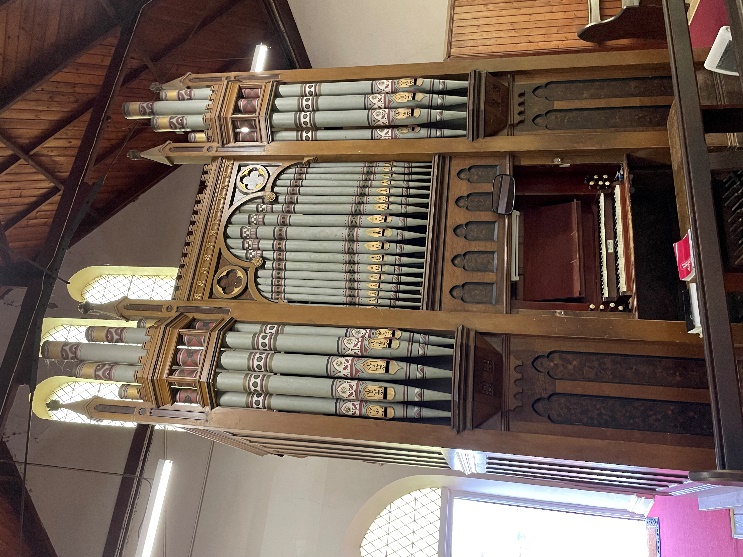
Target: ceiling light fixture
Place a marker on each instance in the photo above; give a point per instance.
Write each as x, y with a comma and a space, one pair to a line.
154, 508
259, 58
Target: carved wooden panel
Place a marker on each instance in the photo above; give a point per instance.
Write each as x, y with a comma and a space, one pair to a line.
478, 379
475, 254
613, 392
592, 104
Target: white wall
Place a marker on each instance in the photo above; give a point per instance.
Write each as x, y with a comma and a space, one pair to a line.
273, 506
364, 33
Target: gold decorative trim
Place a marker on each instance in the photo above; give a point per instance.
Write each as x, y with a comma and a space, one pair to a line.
200, 250
239, 279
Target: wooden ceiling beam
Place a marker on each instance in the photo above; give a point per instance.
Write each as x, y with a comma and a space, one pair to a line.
133, 75
41, 169
111, 211
294, 50
63, 56
281, 14
115, 148
184, 37
6, 256
136, 44
85, 108
30, 209
30, 161
21, 356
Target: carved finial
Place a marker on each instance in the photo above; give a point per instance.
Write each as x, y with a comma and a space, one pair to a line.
108, 309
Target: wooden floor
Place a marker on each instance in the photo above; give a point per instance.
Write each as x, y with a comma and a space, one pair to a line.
512, 27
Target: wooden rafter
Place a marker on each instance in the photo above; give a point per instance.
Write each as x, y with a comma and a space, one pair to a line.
41, 169
21, 357
117, 16
29, 160
119, 205
5, 254
30, 209
292, 45
129, 78
184, 37
64, 55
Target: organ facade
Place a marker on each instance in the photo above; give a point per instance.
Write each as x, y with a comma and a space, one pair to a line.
448, 265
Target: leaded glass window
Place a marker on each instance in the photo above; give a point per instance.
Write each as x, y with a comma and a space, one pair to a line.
66, 333
407, 527
108, 288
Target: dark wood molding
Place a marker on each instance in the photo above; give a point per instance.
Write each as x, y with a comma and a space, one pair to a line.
718, 343
126, 498
291, 40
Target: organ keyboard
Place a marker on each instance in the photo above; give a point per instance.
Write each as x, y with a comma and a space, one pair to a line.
612, 248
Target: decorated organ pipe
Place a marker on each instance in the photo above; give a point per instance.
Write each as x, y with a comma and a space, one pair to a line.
179, 110
109, 354
377, 373
337, 233
358, 372
408, 108
383, 109
338, 407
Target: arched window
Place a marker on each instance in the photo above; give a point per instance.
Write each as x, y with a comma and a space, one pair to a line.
101, 284
71, 389
454, 516
407, 527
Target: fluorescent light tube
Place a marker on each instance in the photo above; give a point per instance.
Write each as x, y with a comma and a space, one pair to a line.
259, 58
154, 508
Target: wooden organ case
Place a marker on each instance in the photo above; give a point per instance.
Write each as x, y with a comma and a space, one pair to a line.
550, 368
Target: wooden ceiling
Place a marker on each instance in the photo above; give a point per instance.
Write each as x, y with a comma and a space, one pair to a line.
53, 58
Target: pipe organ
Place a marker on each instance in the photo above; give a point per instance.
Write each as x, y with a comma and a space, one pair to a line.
476, 284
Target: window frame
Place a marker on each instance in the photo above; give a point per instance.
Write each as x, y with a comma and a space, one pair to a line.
448, 496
